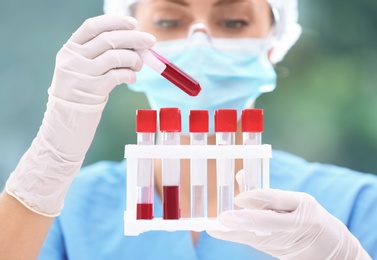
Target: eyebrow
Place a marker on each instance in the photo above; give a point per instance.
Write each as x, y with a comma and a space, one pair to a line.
180, 2
221, 2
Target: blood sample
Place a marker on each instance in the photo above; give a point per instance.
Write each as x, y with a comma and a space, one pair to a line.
171, 202
225, 128
170, 127
198, 177
145, 128
252, 128
171, 72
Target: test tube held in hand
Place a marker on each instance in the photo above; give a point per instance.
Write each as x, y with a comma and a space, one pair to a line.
145, 129
198, 126
170, 127
225, 128
252, 128
171, 72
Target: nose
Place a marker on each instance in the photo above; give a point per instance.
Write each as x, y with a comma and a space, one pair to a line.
198, 34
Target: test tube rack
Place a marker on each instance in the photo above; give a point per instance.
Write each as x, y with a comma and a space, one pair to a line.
134, 226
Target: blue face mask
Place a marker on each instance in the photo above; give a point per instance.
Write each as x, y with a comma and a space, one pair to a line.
231, 72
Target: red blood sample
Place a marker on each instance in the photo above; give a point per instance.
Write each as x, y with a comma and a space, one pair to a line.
171, 202
181, 80
178, 77
144, 211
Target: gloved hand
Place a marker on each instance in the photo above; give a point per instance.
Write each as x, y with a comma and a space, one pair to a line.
97, 57
294, 225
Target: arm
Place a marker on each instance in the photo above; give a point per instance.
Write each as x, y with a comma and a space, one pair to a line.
22, 231
98, 56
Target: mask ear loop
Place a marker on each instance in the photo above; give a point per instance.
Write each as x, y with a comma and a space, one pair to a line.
276, 19
275, 32
276, 26
198, 35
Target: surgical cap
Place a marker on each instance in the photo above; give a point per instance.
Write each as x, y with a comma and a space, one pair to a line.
286, 14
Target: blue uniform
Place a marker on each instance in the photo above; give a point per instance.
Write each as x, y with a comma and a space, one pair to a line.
91, 224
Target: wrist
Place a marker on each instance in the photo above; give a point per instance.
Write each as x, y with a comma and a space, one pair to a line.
43, 175
41, 180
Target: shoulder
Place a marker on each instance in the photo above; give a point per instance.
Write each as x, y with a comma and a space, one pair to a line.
101, 173
340, 190
98, 169
286, 167
99, 183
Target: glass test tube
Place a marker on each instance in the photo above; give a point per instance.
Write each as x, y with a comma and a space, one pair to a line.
198, 177
171, 72
225, 128
170, 127
145, 129
252, 128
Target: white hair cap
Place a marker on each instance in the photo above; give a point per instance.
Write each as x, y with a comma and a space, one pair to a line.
287, 28
285, 11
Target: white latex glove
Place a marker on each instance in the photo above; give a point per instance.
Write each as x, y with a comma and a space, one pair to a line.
97, 57
298, 227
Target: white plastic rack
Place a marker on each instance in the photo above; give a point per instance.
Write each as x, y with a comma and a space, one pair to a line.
134, 226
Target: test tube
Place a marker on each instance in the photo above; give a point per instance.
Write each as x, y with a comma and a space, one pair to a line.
198, 126
170, 127
171, 72
252, 128
145, 129
225, 128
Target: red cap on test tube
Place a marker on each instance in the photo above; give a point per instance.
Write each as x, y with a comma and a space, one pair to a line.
146, 121
252, 120
198, 121
225, 120
170, 120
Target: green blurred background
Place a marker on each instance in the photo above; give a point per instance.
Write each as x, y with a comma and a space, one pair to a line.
324, 108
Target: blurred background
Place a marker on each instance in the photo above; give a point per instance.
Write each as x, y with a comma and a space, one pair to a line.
324, 108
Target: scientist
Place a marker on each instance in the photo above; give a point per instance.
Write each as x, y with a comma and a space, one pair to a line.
312, 211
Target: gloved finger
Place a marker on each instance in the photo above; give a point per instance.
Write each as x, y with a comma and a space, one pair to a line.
93, 27
121, 39
112, 59
240, 180
115, 59
238, 236
104, 84
234, 236
261, 221
116, 77
269, 199
97, 87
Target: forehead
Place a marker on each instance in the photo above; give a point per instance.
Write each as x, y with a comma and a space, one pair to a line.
203, 6
202, 2
171, 19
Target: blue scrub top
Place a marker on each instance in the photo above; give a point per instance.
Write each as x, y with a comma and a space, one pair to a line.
91, 223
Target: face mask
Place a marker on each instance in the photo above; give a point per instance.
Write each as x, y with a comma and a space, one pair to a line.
231, 72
